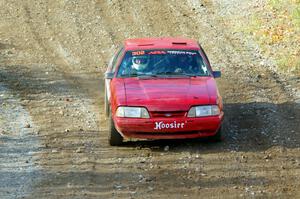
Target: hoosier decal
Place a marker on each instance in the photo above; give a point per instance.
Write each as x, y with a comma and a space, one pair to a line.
173, 125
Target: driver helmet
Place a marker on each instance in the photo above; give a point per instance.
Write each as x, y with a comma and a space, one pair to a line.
140, 62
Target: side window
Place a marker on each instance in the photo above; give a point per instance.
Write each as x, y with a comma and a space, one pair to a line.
115, 59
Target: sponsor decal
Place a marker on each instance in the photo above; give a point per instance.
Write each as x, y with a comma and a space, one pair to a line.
157, 52
176, 52
173, 125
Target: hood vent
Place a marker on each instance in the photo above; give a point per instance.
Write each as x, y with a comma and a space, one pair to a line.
179, 43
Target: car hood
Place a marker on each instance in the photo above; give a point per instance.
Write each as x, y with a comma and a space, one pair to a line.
170, 94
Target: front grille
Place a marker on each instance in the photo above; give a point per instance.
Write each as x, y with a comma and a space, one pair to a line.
167, 114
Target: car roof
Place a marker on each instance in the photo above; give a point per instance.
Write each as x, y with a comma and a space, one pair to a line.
161, 43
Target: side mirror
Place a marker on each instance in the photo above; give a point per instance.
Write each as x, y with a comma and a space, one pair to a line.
108, 75
217, 74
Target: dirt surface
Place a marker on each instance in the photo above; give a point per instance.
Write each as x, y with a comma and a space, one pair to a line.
53, 134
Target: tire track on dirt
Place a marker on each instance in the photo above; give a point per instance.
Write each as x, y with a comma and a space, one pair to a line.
52, 147
18, 147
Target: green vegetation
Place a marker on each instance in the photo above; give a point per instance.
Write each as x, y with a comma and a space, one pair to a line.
276, 27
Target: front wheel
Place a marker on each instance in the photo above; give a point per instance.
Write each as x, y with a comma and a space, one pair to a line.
115, 139
218, 137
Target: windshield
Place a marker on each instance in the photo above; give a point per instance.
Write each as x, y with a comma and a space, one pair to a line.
162, 63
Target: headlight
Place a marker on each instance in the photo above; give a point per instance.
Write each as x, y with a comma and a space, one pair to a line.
134, 112
201, 111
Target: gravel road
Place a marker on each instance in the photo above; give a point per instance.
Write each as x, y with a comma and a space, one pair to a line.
53, 134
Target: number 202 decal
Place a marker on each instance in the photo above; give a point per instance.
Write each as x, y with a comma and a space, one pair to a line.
136, 53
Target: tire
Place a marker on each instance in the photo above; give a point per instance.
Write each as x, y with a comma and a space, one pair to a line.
114, 139
218, 137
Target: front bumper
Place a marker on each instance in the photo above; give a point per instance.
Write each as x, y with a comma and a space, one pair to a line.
168, 128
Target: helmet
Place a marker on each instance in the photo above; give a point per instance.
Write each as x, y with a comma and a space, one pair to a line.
140, 62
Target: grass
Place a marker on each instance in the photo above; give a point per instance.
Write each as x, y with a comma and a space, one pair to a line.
296, 16
276, 28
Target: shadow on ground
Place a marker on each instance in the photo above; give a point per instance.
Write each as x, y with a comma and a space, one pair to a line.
248, 127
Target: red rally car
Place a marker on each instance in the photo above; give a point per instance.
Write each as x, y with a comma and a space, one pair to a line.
162, 88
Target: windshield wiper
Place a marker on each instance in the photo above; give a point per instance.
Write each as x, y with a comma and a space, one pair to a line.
129, 75
139, 75
175, 74
147, 76
161, 74
166, 73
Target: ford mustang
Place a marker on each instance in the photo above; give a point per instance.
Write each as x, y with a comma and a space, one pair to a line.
162, 88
